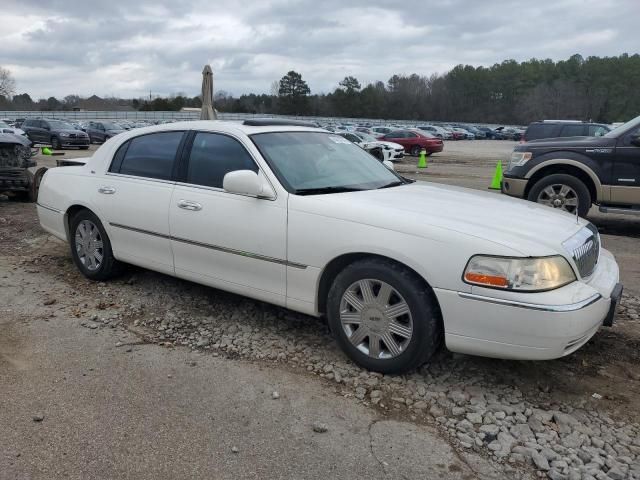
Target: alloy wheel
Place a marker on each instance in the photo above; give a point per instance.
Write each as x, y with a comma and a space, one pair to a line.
559, 196
89, 245
376, 318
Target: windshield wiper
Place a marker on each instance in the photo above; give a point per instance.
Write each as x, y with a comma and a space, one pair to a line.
321, 190
392, 184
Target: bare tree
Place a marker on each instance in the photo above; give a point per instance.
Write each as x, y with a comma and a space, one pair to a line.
7, 83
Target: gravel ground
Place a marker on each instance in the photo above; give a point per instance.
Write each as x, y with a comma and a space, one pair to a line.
573, 418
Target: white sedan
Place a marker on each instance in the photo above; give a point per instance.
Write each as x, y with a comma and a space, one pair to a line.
382, 150
302, 218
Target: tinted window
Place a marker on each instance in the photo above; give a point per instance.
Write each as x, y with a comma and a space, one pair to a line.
395, 135
597, 130
351, 137
541, 130
151, 155
573, 131
213, 156
410, 135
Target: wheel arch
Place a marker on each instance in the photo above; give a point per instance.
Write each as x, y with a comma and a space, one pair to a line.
339, 263
70, 212
568, 167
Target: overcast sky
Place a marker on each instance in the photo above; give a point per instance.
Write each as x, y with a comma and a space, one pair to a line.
128, 48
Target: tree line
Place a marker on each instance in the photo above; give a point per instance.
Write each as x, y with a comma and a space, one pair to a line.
603, 89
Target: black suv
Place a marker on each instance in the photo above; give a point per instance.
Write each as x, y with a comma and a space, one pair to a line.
573, 173
564, 128
102, 131
57, 133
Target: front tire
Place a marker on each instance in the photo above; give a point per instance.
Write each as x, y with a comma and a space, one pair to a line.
91, 248
562, 191
55, 143
383, 316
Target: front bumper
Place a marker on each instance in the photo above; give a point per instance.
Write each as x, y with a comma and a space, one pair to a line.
530, 326
514, 187
74, 142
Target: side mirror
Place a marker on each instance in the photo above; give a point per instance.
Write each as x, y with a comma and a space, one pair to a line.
389, 164
635, 140
247, 182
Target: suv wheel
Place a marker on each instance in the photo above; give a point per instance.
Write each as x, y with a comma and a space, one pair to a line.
55, 143
383, 317
91, 248
562, 191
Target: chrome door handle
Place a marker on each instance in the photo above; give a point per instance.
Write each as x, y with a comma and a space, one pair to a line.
107, 190
189, 205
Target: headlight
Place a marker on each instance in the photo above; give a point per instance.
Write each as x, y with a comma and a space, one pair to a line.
533, 274
519, 158
62, 134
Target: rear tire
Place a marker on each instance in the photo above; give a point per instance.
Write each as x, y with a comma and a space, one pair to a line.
91, 248
415, 150
398, 313
562, 191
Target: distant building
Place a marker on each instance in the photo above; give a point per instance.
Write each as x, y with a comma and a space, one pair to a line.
96, 104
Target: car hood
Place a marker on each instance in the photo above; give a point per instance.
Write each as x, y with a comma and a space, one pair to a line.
393, 145
71, 131
426, 209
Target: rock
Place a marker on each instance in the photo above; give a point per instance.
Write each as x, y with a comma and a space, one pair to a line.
574, 440
556, 475
616, 474
49, 301
436, 411
203, 342
464, 425
549, 454
507, 441
360, 393
491, 430
475, 418
522, 432
539, 461
275, 395
565, 422
319, 427
235, 450
38, 417
535, 424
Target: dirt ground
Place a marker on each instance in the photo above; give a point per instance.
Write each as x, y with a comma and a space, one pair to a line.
41, 282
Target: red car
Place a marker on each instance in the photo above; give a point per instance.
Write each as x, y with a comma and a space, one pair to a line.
413, 141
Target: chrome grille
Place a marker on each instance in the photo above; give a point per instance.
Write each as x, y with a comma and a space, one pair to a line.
584, 247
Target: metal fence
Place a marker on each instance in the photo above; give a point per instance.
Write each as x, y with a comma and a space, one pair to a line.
195, 115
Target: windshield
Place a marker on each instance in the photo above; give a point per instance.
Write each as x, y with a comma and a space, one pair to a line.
4, 125
624, 127
309, 161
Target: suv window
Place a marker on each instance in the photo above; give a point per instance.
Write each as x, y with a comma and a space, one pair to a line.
536, 131
151, 155
597, 130
573, 130
30, 123
213, 155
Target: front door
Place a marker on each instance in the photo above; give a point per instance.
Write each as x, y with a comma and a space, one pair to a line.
229, 241
625, 188
134, 199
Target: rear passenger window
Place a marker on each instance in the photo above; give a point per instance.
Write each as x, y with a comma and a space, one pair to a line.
540, 130
151, 155
213, 156
573, 131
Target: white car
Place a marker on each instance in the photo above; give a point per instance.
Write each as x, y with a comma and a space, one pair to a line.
302, 218
6, 128
383, 151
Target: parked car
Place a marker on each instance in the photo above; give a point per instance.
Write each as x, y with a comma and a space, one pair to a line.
380, 131
489, 133
414, 141
100, 132
57, 133
439, 132
301, 218
564, 128
6, 128
456, 134
573, 173
383, 151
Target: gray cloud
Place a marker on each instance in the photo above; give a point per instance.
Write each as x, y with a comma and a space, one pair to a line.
57, 47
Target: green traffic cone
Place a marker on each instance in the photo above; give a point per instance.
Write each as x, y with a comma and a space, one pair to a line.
497, 177
422, 163
46, 151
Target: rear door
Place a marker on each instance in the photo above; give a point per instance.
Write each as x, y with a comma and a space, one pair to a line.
226, 240
398, 137
134, 199
574, 130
